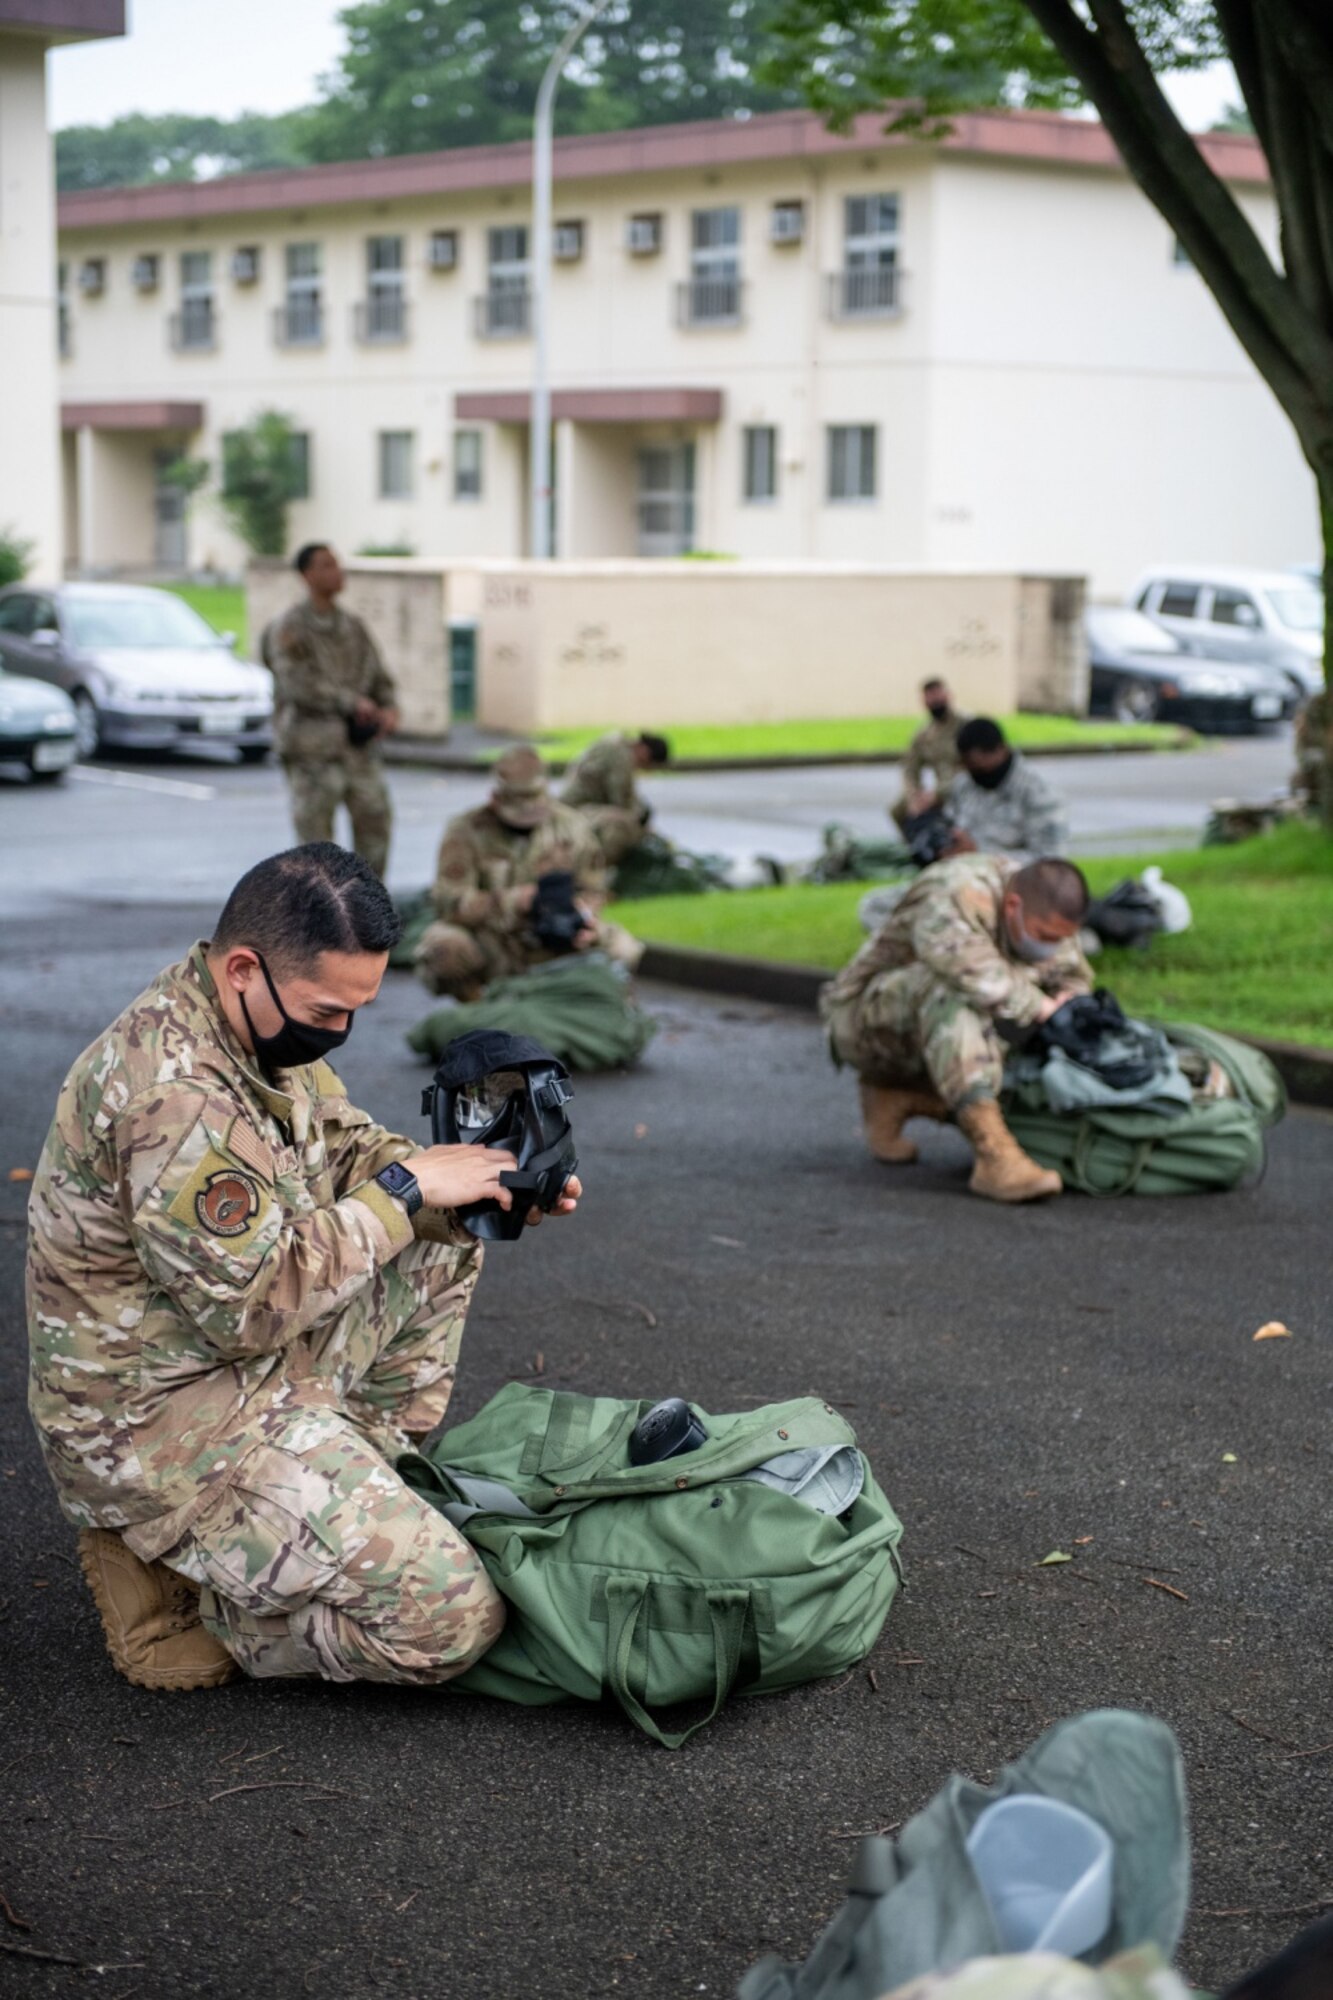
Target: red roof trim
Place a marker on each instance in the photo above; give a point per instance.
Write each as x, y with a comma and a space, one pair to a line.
1040, 137
595, 406
132, 416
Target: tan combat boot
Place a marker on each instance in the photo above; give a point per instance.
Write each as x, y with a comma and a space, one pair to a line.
885, 1112
1003, 1171
150, 1615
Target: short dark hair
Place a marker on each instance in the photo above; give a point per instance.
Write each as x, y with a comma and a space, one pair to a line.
980, 734
658, 748
320, 897
306, 554
933, 682
1052, 888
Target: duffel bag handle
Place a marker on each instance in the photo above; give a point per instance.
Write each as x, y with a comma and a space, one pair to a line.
1087, 1132
625, 1599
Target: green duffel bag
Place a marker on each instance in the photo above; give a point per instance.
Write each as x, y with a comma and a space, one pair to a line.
1205, 1147
582, 1008
693, 1578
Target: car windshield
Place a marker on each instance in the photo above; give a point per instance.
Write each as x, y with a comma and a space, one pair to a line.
1299, 610
1121, 630
153, 620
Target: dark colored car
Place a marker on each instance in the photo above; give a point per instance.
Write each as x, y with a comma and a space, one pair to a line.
37, 727
1142, 673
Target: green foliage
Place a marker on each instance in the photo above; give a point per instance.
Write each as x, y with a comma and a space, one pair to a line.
189, 474
386, 549
1258, 960
16, 554
259, 481
175, 146
868, 736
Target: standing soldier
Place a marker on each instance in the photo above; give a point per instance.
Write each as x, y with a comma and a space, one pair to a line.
244, 1299
932, 749
490, 864
334, 699
976, 953
602, 786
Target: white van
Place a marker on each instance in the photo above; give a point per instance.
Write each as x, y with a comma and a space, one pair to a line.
1271, 616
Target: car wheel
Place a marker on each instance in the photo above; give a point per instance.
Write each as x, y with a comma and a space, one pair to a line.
87, 724
1135, 701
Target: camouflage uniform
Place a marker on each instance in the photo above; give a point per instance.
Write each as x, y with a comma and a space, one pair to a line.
1312, 730
485, 861
602, 786
321, 668
933, 749
233, 1328
922, 998
1040, 1975
1023, 818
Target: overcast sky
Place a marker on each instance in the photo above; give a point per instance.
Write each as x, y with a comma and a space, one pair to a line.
225, 56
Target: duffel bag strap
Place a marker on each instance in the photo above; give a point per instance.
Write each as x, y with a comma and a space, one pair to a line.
1083, 1140
625, 1600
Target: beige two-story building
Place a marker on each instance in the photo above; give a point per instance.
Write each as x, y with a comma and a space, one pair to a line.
767, 341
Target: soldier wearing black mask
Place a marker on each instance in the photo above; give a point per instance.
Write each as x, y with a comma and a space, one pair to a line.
999, 802
932, 750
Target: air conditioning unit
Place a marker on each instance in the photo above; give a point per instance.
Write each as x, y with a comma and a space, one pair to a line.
643, 235
92, 276
443, 252
787, 224
245, 265
143, 274
568, 245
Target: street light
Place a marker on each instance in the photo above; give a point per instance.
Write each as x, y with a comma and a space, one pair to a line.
539, 446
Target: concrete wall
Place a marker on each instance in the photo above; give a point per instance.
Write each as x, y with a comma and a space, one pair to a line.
656, 644
30, 490
404, 608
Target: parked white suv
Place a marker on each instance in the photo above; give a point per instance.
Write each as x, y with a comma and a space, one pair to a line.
1271, 616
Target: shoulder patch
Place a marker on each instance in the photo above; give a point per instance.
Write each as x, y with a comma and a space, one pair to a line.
249, 1148
221, 1198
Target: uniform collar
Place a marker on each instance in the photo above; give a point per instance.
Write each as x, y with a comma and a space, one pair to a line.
278, 1102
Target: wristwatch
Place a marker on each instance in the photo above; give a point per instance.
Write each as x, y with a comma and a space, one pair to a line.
397, 1181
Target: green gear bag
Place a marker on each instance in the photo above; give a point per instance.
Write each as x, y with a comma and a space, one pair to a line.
684, 1580
1206, 1147
580, 1007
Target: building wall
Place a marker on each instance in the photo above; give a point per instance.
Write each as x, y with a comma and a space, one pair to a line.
30, 491
1055, 394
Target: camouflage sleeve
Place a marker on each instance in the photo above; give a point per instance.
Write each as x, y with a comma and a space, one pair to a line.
299, 679
619, 779
379, 682
914, 763
588, 864
357, 1149
952, 935
198, 1186
461, 896
1046, 823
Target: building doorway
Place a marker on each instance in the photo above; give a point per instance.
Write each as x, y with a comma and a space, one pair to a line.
169, 500
666, 499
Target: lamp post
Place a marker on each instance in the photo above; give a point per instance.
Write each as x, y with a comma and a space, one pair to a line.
539, 444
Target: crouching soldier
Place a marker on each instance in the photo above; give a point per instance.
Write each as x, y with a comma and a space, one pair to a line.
490, 864
602, 786
244, 1299
978, 951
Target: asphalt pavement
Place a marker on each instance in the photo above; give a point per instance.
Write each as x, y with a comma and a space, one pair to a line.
1080, 1377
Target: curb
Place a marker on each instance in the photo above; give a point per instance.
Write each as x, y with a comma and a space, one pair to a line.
428, 756
1306, 1072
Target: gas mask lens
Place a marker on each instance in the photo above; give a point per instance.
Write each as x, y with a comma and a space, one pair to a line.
494, 1089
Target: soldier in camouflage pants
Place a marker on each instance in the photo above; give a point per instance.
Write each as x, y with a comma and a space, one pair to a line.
241, 1309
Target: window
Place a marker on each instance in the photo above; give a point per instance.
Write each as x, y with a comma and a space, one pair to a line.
384, 314
467, 465
194, 322
643, 235
301, 319
761, 462
787, 223
395, 449
443, 252
851, 462
714, 290
868, 281
300, 447
92, 277
504, 309
144, 273
18, 614
1234, 607
567, 246
1179, 600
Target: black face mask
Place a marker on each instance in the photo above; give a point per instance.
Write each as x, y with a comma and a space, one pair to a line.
296, 1043
941, 710
990, 781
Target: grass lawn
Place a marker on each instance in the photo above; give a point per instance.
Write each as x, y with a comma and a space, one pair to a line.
222, 604
1258, 960
869, 736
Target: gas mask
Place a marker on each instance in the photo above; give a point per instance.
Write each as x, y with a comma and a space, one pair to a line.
506, 1091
